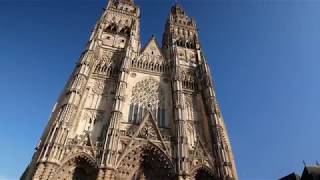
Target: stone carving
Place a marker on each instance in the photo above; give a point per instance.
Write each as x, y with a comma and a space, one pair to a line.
151, 59
147, 93
190, 107
154, 64
221, 135
191, 134
133, 75
187, 101
148, 131
199, 152
188, 79
78, 83
99, 87
91, 118
146, 160
80, 140
78, 167
66, 113
106, 64
106, 55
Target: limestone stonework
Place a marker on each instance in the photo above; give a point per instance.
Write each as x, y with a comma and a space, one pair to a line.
132, 113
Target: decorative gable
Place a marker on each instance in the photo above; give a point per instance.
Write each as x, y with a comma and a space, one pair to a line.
148, 128
151, 58
152, 51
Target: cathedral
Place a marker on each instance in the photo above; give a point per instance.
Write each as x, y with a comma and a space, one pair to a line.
133, 112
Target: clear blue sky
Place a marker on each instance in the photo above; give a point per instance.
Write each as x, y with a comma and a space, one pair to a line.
265, 56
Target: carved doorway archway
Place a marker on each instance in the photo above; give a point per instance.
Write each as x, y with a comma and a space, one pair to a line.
203, 174
146, 162
78, 168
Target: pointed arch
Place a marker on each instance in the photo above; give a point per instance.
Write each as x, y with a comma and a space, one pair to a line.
125, 31
147, 160
203, 172
112, 27
78, 165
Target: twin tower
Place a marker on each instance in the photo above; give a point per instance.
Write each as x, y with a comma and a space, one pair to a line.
132, 113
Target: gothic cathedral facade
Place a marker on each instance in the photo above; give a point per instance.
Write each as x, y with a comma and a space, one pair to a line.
132, 113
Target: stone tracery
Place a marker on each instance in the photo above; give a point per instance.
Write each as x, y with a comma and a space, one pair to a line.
151, 59
148, 131
78, 167
147, 93
106, 65
147, 96
188, 106
146, 162
188, 79
98, 88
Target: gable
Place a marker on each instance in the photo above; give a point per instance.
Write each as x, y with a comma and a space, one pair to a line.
152, 52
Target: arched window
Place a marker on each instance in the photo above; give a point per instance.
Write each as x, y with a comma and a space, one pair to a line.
113, 28
125, 31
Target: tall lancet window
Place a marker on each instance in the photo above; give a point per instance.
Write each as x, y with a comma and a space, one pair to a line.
147, 97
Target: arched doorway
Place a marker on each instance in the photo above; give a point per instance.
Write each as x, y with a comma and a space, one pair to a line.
203, 174
146, 163
78, 168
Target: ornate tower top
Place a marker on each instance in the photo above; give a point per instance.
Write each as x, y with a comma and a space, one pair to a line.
125, 1
124, 6
179, 17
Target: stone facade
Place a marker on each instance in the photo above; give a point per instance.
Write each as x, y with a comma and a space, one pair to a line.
136, 113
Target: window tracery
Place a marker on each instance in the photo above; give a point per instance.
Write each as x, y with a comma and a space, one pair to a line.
99, 87
112, 28
147, 97
125, 31
106, 65
185, 43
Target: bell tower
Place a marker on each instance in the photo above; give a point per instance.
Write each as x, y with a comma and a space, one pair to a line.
201, 136
136, 113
